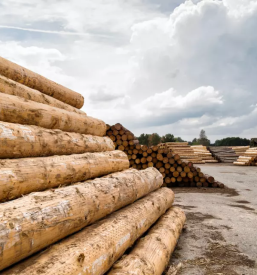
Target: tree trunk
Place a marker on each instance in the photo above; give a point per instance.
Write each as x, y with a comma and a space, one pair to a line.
95, 249
20, 141
8, 86
43, 218
23, 176
40, 83
18, 110
152, 253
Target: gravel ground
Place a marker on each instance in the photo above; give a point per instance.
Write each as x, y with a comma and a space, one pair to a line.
220, 236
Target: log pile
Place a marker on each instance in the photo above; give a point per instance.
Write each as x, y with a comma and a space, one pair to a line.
61, 180
175, 171
223, 154
240, 150
249, 158
184, 151
203, 153
162, 238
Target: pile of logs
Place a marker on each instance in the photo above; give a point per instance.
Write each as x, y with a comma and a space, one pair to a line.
223, 154
184, 151
63, 187
203, 153
248, 158
175, 171
240, 150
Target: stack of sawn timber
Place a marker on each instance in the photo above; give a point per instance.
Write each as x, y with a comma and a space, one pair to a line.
223, 154
175, 171
203, 153
59, 174
249, 158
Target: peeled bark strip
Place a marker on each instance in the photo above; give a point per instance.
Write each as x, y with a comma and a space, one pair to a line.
43, 218
96, 248
151, 254
20, 141
10, 87
15, 109
23, 176
40, 83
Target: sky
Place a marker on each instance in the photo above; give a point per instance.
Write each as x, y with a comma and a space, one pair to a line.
163, 66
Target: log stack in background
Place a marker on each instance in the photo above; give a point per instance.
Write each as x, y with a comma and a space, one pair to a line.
203, 153
184, 151
248, 158
52, 155
223, 154
240, 150
175, 171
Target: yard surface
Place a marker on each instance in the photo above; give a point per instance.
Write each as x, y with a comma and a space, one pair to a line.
220, 236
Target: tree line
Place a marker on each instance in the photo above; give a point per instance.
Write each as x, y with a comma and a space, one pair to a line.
154, 139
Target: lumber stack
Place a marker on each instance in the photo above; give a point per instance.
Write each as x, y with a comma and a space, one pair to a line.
249, 158
240, 150
203, 153
223, 154
61, 182
185, 152
177, 172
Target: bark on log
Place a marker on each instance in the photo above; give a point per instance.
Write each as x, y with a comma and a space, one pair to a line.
95, 249
40, 83
8, 86
152, 253
23, 176
43, 218
20, 141
19, 110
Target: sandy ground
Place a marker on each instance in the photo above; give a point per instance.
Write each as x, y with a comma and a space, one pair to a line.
220, 236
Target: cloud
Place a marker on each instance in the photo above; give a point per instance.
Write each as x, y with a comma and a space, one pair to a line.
156, 66
102, 95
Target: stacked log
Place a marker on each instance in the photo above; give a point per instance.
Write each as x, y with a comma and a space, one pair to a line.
52, 156
159, 244
185, 152
22, 141
223, 154
15, 109
175, 171
123, 139
240, 150
43, 218
203, 153
19, 177
35, 81
10, 87
249, 158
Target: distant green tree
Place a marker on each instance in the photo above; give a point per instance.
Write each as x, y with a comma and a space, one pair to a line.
168, 138
179, 139
232, 141
195, 141
154, 139
203, 140
144, 139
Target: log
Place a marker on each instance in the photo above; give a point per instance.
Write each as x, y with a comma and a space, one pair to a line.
95, 249
40, 83
43, 218
23, 176
8, 86
152, 253
20, 141
18, 110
